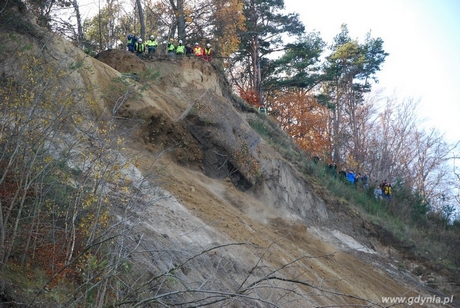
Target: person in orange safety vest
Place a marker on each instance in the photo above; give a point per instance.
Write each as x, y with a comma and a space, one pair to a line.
197, 50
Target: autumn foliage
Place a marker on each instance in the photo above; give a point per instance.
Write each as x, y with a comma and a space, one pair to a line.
50, 213
229, 21
304, 119
250, 96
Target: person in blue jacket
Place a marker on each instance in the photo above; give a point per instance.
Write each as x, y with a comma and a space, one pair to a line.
351, 176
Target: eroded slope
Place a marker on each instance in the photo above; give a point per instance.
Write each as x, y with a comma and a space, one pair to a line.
273, 210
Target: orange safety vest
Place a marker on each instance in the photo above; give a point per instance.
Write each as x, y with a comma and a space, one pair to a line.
198, 51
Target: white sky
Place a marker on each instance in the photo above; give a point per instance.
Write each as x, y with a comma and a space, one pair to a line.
422, 38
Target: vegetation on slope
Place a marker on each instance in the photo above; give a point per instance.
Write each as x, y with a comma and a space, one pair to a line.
58, 223
406, 223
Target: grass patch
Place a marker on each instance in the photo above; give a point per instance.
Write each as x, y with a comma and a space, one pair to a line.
276, 137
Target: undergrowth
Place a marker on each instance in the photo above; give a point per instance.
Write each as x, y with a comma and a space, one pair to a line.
405, 217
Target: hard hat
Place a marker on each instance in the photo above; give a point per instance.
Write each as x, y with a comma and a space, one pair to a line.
171, 39
208, 45
196, 44
140, 40
152, 37
180, 41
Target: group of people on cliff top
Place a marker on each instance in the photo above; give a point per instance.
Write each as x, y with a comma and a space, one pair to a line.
136, 45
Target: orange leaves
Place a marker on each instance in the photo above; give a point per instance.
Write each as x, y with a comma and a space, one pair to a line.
50, 252
304, 119
229, 22
250, 96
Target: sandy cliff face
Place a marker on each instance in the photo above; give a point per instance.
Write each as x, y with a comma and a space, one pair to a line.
222, 218
221, 195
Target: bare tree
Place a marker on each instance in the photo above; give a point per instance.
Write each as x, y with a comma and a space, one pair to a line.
399, 148
390, 139
31, 122
431, 172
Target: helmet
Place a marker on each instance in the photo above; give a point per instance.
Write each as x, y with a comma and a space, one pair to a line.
139, 40
171, 39
208, 45
152, 37
180, 41
196, 44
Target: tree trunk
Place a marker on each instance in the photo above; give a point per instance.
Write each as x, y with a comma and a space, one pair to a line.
79, 24
255, 54
256, 60
100, 26
180, 19
141, 18
337, 115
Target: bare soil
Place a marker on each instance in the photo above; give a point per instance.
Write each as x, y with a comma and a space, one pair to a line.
368, 266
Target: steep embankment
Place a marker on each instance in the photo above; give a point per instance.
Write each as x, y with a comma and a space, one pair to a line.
228, 185
221, 217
